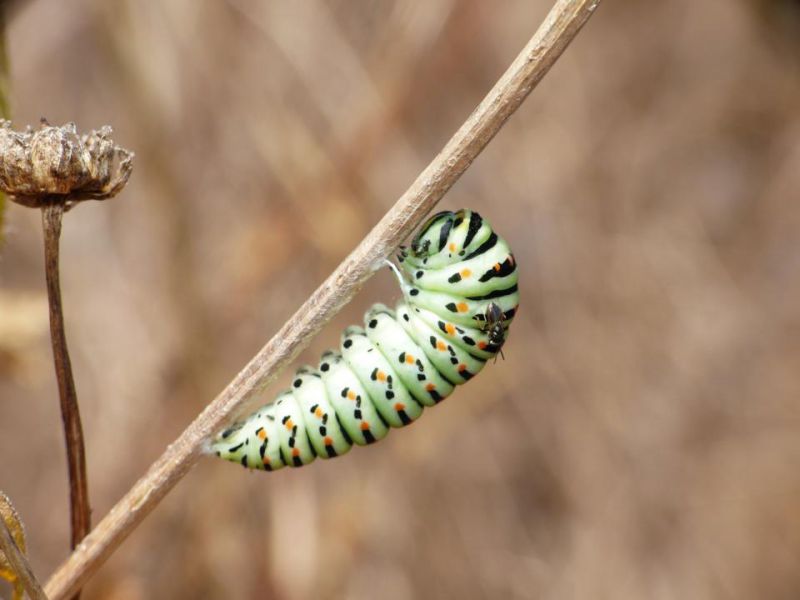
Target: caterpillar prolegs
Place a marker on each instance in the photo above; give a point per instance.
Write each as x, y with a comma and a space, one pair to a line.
459, 284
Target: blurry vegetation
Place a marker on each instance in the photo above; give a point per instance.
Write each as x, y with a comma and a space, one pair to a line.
5, 110
12, 521
782, 19
642, 437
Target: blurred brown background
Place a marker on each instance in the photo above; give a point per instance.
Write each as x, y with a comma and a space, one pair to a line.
641, 439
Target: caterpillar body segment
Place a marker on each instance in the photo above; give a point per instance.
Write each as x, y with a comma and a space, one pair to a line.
459, 285
425, 384
392, 400
454, 363
492, 270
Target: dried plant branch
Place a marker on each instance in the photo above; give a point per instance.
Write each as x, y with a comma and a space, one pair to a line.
73, 432
559, 28
54, 168
11, 553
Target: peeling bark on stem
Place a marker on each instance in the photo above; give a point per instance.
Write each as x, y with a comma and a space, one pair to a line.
560, 27
73, 432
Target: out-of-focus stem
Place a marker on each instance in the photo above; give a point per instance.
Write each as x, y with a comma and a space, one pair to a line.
19, 563
5, 111
73, 432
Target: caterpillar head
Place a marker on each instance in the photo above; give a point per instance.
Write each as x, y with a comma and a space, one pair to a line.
434, 235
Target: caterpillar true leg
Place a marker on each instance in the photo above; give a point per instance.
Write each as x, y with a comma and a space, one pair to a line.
459, 285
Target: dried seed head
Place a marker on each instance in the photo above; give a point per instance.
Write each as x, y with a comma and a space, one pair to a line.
55, 162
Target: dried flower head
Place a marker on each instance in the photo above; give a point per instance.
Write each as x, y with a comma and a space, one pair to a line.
54, 162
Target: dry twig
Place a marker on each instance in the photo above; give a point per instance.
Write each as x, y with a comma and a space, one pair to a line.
12, 555
80, 512
559, 28
20, 564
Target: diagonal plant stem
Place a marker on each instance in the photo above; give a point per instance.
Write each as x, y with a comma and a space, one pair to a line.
73, 433
560, 27
19, 563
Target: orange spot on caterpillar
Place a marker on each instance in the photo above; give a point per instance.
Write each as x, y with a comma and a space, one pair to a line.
440, 345
399, 406
462, 367
462, 307
351, 395
267, 460
409, 359
482, 345
295, 451
381, 376
465, 273
430, 387
318, 412
451, 329
262, 435
289, 424
364, 426
452, 247
328, 440
497, 266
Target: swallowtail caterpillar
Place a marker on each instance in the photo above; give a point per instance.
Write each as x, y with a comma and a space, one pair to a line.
459, 284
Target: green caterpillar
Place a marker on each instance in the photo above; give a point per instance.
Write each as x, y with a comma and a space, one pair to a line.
459, 284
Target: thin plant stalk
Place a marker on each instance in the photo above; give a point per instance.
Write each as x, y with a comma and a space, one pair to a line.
19, 563
70, 414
